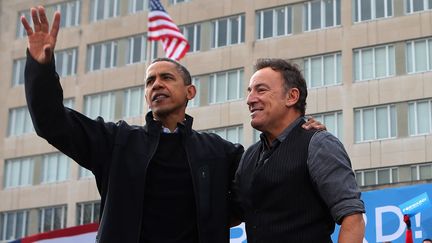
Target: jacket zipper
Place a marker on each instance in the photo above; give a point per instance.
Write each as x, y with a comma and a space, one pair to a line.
145, 174
195, 189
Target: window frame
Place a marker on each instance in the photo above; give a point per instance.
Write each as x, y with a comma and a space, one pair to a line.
93, 10
42, 216
411, 53
213, 86
23, 180
94, 215
46, 166
98, 97
390, 64
240, 28
5, 218
337, 70
409, 5
288, 22
65, 61
338, 117
127, 100
307, 10
238, 130
113, 52
390, 108
416, 118
196, 39
373, 13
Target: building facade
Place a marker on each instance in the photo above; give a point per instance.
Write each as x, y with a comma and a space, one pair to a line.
368, 64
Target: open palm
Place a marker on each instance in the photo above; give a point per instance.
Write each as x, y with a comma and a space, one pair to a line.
41, 41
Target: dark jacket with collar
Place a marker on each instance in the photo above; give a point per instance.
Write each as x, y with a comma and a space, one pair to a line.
118, 155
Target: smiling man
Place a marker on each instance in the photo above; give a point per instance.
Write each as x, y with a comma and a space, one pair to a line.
293, 184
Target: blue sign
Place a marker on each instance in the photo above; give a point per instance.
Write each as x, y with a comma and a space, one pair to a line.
384, 217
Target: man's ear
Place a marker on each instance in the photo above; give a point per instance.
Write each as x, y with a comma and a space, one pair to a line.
191, 92
292, 97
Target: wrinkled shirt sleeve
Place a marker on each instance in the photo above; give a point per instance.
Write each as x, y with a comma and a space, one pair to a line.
332, 176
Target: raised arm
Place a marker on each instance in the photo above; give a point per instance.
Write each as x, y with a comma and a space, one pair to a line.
41, 40
89, 142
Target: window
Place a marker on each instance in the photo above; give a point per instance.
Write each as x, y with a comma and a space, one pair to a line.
102, 104
192, 33
102, 55
18, 172
136, 6
321, 14
177, 1
196, 101
18, 72
375, 123
373, 63
137, 49
228, 31
88, 212
372, 9
417, 5
377, 176
226, 86
84, 173
420, 117
133, 102
103, 9
233, 134
20, 31
70, 15
13, 225
55, 167
69, 103
52, 218
321, 71
419, 55
66, 61
19, 122
274, 22
333, 122
421, 172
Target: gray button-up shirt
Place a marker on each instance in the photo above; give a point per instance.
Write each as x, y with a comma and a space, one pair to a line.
330, 171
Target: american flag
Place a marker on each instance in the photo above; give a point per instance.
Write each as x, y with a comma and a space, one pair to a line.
161, 27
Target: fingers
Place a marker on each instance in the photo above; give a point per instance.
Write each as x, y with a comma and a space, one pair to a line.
35, 18
26, 25
43, 19
56, 25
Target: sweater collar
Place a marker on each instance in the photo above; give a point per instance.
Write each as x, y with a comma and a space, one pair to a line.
154, 126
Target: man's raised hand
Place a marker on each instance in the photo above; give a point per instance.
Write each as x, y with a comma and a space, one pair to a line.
41, 41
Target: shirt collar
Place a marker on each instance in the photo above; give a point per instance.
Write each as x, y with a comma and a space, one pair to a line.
282, 136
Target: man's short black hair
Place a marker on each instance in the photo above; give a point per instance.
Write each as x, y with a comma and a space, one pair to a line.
291, 75
180, 68
427, 239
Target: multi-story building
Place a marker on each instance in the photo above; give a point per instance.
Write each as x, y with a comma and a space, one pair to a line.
368, 64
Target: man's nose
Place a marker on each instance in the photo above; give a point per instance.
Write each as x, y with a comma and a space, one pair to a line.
251, 98
157, 84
